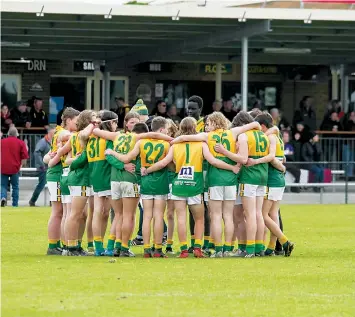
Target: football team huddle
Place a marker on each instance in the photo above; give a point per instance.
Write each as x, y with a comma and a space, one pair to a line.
228, 176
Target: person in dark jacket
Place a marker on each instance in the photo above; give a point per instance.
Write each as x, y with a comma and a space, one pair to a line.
306, 114
160, 109
121, 109
43, 146
38, 117
312, 153
20, 116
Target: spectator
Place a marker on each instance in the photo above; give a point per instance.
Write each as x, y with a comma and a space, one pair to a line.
172, 113
301, 133
20, 117
279, 120
331, 123
228, 111
6, 120
160, 109
38, 117
13, 153
142, 110
43, 146
349, 145
121, 109
217, 105
312, 153
292, 168
306, 114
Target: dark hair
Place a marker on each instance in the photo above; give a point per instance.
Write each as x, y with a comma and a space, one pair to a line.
303, 100
198, 100
158, 123
256, 112
140, 127
159, 101
106, 115
241, 119
130, 115
264, 119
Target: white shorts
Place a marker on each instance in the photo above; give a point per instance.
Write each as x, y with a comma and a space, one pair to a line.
248, 190
238, 201
54, 191
222, 192
81, 191
157, 197
66, 199
205, 197
103, 193
124, 190
274, 193
170, 191
195, 200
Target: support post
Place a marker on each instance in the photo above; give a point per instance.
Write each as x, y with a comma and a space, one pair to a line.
244, 73
106, 91
97, 78
343, 96
335, 79
218, 93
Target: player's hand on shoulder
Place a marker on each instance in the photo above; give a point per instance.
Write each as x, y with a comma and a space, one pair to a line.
109, 152
144, 171
130, 167
250, 162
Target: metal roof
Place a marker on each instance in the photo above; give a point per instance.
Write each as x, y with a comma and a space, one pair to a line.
179, 31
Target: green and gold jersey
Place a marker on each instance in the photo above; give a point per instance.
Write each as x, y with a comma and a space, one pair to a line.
124, 143
54, 173
216, 176
100, 169
200, 125
78, 176
275, 177
258, 146
188, 158
151, 152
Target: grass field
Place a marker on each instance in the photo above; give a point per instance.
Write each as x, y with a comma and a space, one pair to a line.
317, 280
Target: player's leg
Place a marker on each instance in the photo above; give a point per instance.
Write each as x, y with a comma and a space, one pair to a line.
138, 240
180, 208
171, 225
55, 219
129, 209
192, 232
198, 212
158, 216
147, 224
89, 232
227, 215
105, 215
248, 195
278, 248
82, 225
207, 228
215, 203
260, 233
97, 224
14, 180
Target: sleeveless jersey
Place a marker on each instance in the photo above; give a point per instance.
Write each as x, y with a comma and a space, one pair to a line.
124, 143
275, 177
54, 173
151, 152
258, 146
188, 158
216, 176
80, 176
100, 170
200, 125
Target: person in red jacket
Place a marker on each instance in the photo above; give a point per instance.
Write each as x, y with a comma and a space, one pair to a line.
13, 152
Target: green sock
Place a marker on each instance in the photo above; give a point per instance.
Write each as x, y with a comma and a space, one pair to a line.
227, 248
284, 246
91, 244
52, 244
111, 242
169, 244
124, 247
259, 246
183, 246
268, 251
250, 248
129, 243
211, 245
58, 244
118, 244
98, 245
242, 246
79, 243
219, 248
192, 241
232, 247
206, 242
198, 243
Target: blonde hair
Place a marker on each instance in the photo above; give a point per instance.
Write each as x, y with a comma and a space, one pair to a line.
187, 126
172, 129
84, 119
218, 120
